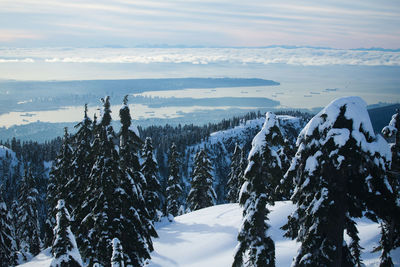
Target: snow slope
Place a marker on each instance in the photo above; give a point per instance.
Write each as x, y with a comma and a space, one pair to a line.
207, 237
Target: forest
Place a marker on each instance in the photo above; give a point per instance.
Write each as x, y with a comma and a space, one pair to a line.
94, 196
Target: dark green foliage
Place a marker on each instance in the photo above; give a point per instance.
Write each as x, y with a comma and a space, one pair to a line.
202, 194
339, 174
64, 248
27, 228
390, 227
99, 225
234, 176
7, 240
81, 165
174, 189
60, 175
262, 175
152, 191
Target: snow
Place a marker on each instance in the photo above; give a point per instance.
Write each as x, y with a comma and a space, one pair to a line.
356, 110
312, 162
259, 140
42, 260
4, 151
207, 237
391, 128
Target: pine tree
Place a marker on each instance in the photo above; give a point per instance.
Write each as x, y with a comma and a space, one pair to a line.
262, 176
81, 165
60, 175
339, 174
174, 189
234, 175
117, 258
136, 226
28, 224
8, 245
98, 227
152, 191
64, 249
201, 194
390, 238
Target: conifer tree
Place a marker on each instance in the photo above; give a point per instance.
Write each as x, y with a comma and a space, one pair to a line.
339, 174
99, 227
28, 224
390, 238
234, 175
115, 201
81, 165
152, 191
64, 249
60, 175
136, 227
117, 258
174, 189
8, 245
202, 193
262, 176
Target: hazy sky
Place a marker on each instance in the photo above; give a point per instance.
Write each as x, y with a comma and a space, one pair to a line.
88, 23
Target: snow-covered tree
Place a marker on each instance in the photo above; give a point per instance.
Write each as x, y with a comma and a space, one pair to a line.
234, 176
152, 191
202, 193
174, 189
390, 238
130, 142
60, 175
117, 258
136, 226
262, 175
98, 227
339, 174
81, 165
27, 229
64, 249
8, 245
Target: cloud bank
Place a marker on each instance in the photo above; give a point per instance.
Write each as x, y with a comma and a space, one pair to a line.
339, 23
305, 56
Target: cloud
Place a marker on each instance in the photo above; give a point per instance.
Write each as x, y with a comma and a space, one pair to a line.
26, 60
218, 22
306, 56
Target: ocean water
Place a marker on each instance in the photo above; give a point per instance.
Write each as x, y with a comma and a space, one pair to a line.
301, 86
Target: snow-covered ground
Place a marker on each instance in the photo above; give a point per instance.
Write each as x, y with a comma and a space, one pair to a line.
207, 237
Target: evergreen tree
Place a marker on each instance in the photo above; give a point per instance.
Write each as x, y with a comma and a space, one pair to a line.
390, 238
28, 224
64, 248
152, 191
60, 175
136, 227
339, 175
262, 176
99, 227
81, 165
234, 175
174, 189
117, 258
114, 199
201, 194
8, 245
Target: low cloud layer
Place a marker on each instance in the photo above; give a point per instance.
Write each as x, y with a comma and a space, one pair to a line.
293, 56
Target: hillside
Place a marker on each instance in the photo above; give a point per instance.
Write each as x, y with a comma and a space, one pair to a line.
207, 237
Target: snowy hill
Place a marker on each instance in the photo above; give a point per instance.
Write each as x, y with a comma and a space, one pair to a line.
220, 146
207, 237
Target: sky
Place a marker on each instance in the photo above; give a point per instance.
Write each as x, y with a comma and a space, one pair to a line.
219, 23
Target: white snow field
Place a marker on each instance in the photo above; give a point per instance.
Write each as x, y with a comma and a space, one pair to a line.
207, 237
